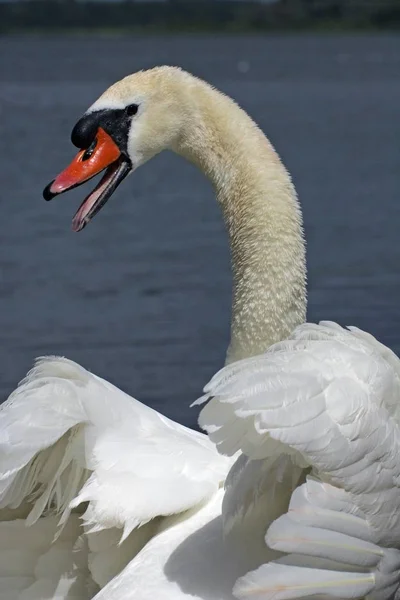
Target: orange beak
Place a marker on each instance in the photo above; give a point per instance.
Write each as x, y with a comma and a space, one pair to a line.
102, 154
86, 164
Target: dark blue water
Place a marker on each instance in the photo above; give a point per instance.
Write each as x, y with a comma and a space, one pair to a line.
142, 296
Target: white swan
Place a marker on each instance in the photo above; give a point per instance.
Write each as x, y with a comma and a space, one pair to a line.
71, 442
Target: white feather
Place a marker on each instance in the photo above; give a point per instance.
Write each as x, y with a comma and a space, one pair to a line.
69, 439
327, 398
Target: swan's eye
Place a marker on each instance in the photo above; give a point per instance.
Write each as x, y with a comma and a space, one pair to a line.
89, 151
132, 109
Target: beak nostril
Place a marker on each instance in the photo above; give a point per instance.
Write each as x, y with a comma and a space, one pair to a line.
89, 151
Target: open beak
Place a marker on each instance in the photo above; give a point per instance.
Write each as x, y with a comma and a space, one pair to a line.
103, 153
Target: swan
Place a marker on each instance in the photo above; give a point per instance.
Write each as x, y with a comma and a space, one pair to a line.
102, 497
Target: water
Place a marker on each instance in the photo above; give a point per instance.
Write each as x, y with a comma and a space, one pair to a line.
142, 296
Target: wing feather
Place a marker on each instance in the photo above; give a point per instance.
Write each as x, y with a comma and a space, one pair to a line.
68, 437
328, 397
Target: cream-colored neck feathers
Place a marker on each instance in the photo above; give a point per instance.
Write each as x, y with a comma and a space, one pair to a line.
254, 190
262, 216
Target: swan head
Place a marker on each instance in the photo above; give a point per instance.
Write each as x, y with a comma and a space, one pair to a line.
132, 121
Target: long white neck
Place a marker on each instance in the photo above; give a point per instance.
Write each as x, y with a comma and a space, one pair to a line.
262, 216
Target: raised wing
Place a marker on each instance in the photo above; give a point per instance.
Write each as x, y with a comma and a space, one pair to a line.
332, 551
329, 399
68, 437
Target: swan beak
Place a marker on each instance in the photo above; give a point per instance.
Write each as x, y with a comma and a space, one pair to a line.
103, 153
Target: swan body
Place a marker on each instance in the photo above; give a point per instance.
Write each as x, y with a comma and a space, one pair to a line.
294, 491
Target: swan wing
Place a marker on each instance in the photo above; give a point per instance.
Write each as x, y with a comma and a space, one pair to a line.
69, 439
257, 491
331, 552
327, 398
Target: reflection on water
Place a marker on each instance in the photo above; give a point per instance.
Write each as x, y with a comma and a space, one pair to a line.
142, 296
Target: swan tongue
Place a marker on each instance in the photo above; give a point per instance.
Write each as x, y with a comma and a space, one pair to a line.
87, 163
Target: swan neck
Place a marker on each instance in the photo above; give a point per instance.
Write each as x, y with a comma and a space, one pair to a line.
262, 218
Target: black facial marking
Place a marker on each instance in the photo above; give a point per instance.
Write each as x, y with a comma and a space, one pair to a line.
116, 122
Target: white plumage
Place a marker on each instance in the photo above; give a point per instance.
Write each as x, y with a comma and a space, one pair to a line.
32, 567
328, 399
71, 440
